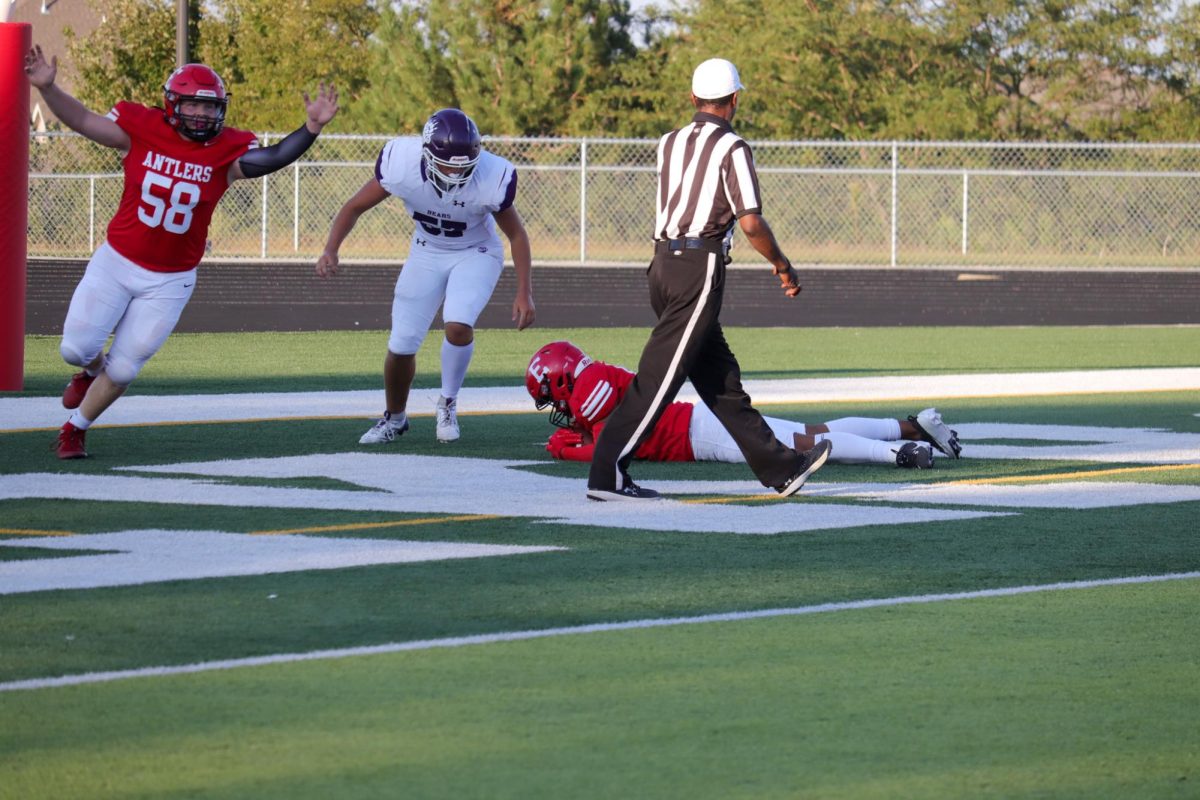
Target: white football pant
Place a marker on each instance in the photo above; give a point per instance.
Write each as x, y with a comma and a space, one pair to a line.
138, 306
461, 282
711, 442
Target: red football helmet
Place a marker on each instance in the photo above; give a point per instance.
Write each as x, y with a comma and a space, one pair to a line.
551, 377
199, 83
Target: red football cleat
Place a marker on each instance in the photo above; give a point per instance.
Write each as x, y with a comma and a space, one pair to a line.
76, 388
70, 442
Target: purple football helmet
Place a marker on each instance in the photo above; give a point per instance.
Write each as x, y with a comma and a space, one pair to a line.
451, 141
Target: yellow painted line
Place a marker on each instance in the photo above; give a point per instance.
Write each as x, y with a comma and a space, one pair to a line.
24, 532
362, 526
1062, 476
741, 498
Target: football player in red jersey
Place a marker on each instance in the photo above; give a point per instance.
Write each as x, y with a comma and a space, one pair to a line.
178, 161
582, 392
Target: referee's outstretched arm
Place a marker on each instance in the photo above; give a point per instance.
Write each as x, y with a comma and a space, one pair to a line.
761, 238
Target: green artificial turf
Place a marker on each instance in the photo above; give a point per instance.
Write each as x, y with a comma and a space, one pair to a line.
1080, 694
339, 360
1069, 694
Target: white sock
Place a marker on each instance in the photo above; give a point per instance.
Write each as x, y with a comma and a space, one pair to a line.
80, 421
851, 449
885, 429
395, 420
455, 360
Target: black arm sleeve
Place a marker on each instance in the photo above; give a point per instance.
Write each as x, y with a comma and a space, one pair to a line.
265, 160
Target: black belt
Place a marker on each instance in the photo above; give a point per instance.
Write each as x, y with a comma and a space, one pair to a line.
692, 243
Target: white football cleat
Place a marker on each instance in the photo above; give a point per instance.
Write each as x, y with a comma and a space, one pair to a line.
388, 429
447, 420
933, 430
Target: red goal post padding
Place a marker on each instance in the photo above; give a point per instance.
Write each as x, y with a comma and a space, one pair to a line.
15, 40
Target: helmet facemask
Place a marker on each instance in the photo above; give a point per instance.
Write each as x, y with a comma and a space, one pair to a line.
560, 413
449, 182
197, 127
450, 149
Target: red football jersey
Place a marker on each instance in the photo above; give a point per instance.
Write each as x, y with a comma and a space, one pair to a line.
172, 186
596, 393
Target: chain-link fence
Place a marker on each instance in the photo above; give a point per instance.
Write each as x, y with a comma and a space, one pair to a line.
592, 201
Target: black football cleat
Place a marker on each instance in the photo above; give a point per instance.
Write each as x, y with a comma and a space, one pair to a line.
631, 491
810, 461
913, 456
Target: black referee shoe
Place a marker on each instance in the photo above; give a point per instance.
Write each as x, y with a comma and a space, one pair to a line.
631, 492
810, 462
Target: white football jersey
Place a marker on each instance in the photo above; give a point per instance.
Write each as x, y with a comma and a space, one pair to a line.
458, 221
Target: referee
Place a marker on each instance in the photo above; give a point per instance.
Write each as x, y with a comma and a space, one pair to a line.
706, 180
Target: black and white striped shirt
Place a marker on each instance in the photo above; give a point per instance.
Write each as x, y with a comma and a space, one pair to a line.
706, 179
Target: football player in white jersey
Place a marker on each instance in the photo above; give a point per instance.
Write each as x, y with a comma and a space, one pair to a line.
458, 194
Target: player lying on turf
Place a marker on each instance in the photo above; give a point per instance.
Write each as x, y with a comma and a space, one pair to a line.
582, 393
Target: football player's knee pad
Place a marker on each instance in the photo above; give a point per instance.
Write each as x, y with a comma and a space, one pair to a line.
75, 355
405, 342
121, 370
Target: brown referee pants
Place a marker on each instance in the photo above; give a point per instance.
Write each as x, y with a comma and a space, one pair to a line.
687, 343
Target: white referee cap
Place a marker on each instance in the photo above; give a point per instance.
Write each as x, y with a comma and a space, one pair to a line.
715, 78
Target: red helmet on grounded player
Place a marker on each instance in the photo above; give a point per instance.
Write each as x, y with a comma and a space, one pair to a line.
199, 83
551, 377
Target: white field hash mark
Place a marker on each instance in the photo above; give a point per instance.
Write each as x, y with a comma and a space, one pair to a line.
545, 633
133, 558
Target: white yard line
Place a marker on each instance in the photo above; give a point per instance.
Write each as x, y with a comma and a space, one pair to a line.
514, 636
42, 413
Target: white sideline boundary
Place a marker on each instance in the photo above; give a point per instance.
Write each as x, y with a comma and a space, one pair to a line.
604, 627
47, 413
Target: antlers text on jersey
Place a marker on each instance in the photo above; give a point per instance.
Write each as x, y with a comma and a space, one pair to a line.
173, 167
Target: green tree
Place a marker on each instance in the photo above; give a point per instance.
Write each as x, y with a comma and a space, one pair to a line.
128, 57
858, 70
645, 94
825, 69
515, 67
817, 69
409, 75
265, 57
912, 69
1065, 69
270, 52
1172, 112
